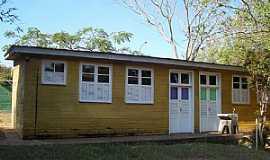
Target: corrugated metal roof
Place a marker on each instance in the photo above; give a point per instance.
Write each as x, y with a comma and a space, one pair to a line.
15, 51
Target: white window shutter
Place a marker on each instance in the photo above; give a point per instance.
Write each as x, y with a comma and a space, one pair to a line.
149, 94
87, 91
236, 96
130, 93
48, 77
83, 91
137, 93
94, 91
142, 94
103, 93
133, 93
58, 77
244, 97
146, 94
99, 92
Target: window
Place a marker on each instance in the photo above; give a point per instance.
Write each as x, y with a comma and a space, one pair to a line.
146, 77
213, 80
103, 75
203, 79
209, 80
180, 78
184, 93
88, 73
139, 86
53, 72
240, 90
209, 87
203, 94
133, 76
174, 77
180, 86
95, 83
236, 82
213, 94
174, 92
184, 78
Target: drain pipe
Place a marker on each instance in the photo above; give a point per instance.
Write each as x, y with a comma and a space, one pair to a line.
36, 102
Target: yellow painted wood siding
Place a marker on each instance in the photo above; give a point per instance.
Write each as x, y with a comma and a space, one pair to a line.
59, 112
17, 97
246, 112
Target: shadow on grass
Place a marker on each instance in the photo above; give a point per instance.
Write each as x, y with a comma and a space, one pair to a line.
142, 151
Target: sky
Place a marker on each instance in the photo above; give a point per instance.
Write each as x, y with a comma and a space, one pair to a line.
71, 15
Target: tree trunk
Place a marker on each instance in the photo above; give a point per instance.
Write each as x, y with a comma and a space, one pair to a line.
262, 116
174, 50
261, 132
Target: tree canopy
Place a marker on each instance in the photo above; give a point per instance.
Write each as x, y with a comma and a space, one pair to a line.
88, 38
246, 28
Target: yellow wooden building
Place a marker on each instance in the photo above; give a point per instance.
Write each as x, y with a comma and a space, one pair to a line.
68, 93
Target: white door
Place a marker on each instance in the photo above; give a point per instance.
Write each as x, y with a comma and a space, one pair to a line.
181, 107
210, 100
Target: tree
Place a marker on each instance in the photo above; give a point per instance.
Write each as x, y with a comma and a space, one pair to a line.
7, 14
200, 20
257, 63
5, 73
246, 27
93, 39
245, 41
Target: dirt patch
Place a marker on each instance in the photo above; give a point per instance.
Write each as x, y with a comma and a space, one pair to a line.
5, 119
2, 135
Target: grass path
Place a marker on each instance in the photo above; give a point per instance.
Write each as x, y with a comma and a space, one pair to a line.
191, 151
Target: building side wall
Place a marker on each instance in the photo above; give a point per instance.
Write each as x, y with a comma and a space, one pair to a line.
17, 96
59, 112
55, 110
246, 112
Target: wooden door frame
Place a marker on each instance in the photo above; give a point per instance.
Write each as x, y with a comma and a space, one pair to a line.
220, 93
192, 96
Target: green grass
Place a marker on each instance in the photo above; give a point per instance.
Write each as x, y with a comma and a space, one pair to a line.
5, 97
191, 151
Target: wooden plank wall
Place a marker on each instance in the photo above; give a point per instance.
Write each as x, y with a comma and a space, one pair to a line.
57, 112
60, 113
17, 97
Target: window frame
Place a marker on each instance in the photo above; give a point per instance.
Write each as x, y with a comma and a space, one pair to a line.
179, 73
190, 86
208, 74
43, 81
138, 76
218, 86
96, 65
240, 88
140, 69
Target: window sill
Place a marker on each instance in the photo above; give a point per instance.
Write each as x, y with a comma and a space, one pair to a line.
104, 102
54, 84
240, 104
140, 103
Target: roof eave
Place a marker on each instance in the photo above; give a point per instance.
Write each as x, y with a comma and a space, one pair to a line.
14, 50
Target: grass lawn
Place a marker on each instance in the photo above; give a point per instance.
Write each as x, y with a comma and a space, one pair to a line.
191, 151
